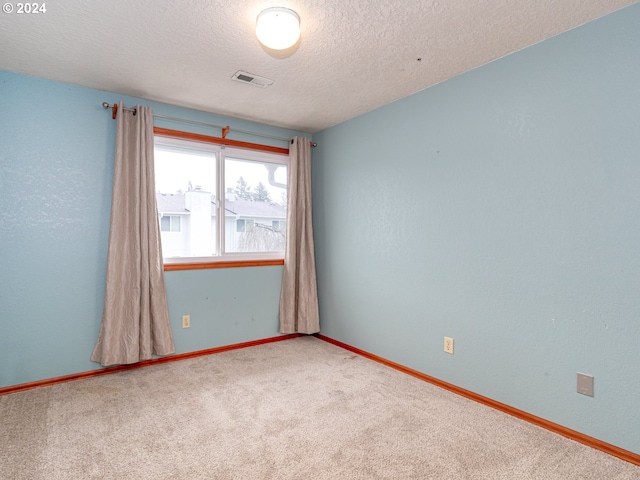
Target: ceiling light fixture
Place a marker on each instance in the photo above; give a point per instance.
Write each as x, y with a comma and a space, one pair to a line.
278, 28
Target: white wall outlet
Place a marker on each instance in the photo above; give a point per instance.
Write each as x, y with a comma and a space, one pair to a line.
448, 345
186, 321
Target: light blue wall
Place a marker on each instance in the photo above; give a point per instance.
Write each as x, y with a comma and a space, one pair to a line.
501, 208
56, 163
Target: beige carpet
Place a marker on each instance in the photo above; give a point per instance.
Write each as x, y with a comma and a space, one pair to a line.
297, 409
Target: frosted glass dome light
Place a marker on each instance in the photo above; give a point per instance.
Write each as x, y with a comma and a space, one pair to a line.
278, 28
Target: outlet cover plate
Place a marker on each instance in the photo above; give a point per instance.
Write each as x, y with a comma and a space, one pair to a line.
186, 321
585, 384
448, 345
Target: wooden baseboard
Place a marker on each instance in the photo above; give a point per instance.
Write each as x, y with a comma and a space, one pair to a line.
146, 363
605, 447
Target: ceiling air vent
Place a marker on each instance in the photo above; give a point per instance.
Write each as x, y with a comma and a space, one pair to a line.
252, 79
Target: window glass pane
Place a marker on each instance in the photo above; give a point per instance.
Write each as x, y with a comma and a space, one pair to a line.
185, 194
175, 223
279, 224
190, 195
256, 192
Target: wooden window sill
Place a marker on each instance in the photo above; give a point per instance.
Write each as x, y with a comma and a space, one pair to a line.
224, 264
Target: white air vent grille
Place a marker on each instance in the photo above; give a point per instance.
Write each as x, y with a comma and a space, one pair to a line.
251, 79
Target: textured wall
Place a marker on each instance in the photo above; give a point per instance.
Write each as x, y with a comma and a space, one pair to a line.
501, 208
56, 164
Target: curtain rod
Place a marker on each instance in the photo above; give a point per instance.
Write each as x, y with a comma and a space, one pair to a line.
225, 130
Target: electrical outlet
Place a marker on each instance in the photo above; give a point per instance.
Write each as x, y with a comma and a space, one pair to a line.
448, 345
186, 321
585, 384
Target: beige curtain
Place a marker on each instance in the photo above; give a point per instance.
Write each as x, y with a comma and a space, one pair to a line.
135, 320
299, 295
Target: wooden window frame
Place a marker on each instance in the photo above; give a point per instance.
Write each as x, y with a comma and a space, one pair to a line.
200, 265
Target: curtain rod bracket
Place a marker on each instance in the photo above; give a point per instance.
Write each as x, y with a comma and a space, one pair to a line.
114, 109
225, 131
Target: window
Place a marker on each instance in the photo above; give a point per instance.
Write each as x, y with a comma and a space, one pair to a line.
279, 225
219, 203
170, 223
243, 225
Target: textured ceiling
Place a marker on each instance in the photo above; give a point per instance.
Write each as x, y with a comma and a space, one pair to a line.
354, 55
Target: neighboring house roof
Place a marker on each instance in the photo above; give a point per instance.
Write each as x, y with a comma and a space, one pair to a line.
175, 203
170, 203
249, 208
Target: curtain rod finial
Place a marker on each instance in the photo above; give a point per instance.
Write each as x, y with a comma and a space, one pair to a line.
105, 105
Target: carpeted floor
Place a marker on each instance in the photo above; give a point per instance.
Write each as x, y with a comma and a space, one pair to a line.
297, 409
